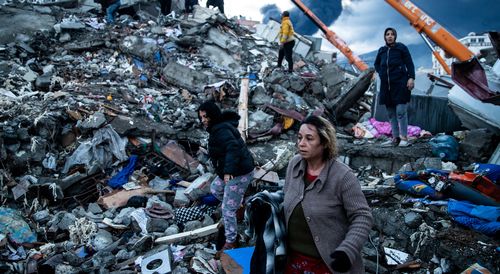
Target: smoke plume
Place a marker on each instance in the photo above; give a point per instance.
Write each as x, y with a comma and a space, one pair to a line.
326, 10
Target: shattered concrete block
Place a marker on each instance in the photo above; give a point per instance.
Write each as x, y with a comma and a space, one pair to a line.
17, 20
102, 240
220, 57
317, 89
180, 199
123, 255
478, 143
297, 84
41, 216
157, 225
192, 225
199, 187
65, 37
429, 162
104, 260
260, 121
30, 76
96, 120
72, 25
259, 96
65, 269
66, 221
201, 14
94, 208
171, 230
185, 77
413, 219
43, 82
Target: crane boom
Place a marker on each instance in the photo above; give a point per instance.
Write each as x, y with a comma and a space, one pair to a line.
332, 37
424, 23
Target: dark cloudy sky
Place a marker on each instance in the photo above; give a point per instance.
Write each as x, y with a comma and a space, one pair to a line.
361, 22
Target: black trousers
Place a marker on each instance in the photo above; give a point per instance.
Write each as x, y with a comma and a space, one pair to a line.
165, 6
287, 52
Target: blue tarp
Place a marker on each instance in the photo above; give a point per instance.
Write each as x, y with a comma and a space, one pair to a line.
484, 219
122, 177
410, 182
490, 171
242, 257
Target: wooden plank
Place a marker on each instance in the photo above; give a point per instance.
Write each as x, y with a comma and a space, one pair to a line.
243, 107
197, 233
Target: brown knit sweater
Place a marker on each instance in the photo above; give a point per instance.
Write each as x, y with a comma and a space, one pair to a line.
334, 207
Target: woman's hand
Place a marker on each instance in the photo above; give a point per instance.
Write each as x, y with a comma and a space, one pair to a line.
227, 178
410, 84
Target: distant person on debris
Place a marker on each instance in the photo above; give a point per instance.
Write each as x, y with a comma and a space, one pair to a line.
216, 3
165, 6
232, 161
397, 75
326, 214
109, 7
287, 41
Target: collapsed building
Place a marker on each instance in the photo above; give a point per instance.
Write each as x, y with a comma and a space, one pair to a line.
103, 167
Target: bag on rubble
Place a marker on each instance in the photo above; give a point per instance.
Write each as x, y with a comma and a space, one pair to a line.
445, 147
410, 182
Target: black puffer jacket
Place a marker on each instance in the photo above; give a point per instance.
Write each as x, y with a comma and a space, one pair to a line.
226, 148
394, 66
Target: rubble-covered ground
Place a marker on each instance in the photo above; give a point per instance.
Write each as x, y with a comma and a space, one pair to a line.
102, 159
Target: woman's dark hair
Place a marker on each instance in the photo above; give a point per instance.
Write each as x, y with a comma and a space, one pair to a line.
212, 110
327, 135
285, 14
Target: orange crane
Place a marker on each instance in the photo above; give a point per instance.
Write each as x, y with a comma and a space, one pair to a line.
333, 38
467, 72
425, 25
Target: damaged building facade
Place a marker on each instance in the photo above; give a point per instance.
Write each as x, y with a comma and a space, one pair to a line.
103, 161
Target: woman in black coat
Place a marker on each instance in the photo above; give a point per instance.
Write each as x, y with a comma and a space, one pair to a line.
232, 161
395, 68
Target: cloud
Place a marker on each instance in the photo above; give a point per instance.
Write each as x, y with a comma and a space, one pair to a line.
362, 22
327, 11
269, 12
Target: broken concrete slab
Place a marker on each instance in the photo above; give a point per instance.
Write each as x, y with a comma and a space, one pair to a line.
186, 77
15, 20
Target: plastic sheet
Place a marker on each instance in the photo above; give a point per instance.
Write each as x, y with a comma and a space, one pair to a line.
445, 147
105, 144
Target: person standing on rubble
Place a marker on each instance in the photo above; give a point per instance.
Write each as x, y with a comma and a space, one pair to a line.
110, 7
165, 6
287, 41
326, 214
395, 68
232, 161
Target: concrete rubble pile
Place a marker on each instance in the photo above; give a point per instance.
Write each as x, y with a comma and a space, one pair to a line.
103, 166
